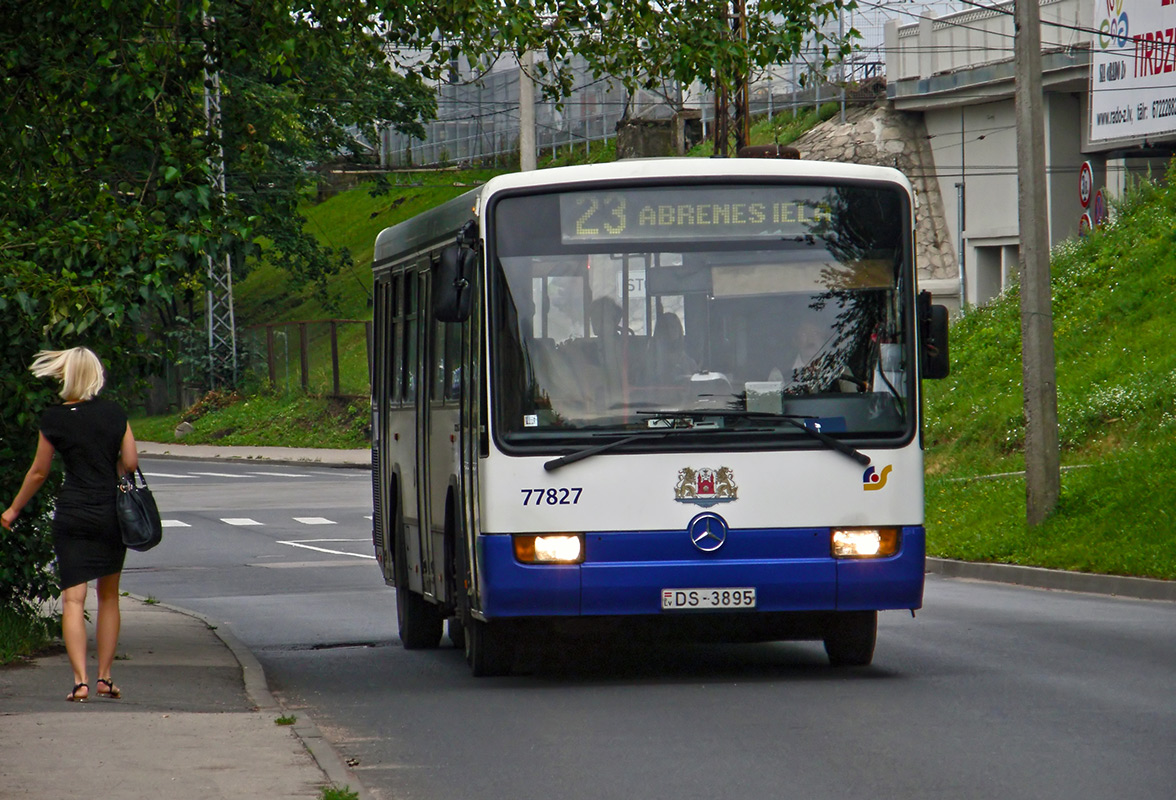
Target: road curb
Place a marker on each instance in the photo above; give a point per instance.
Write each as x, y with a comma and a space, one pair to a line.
1056, 579
258, 460
259, 694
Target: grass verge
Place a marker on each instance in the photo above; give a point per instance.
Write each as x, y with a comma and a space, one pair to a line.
24, 632
267, 420
1107, 521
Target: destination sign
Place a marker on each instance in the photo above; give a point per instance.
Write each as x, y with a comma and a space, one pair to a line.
681, 213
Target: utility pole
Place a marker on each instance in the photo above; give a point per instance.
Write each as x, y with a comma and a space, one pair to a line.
1042, 471
222, 328
527, 160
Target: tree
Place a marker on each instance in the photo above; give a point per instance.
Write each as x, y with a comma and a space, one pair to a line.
107, 214
641, 43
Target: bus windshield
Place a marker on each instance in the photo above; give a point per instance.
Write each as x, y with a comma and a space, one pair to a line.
711, 307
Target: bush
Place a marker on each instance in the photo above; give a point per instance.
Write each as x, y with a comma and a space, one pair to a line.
215, 400
26, 551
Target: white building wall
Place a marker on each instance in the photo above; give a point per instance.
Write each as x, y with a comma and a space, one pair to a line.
957, 72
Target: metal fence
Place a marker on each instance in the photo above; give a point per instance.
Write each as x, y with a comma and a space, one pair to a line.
478, 114
330, 357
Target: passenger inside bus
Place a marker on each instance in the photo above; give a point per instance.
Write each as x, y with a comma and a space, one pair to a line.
613, 351
667, 362
819, 366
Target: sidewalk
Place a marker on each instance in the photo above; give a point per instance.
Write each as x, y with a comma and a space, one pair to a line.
188, 726
300, 456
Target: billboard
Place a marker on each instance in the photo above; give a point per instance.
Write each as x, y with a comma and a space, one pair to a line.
1132, 82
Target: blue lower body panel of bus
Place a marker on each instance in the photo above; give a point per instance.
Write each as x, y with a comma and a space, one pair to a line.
626, 573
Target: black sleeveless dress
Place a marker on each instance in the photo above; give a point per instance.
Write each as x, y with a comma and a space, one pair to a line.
86, 539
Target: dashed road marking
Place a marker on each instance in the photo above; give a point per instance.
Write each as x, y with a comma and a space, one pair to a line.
174, 523
314, 520
223, 474
239, 521
282, 474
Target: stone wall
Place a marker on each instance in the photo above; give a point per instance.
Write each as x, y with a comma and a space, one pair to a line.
877, 134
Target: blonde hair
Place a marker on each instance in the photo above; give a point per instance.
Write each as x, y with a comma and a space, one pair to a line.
78, 369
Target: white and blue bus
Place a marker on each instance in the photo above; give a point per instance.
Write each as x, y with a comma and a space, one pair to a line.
679, 395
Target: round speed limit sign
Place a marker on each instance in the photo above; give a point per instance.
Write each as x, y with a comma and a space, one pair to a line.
1085, 183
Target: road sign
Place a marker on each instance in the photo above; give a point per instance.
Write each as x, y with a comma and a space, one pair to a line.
1099, 212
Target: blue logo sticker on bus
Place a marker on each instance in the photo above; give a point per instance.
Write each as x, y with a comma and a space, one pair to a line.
872, 481
705, 487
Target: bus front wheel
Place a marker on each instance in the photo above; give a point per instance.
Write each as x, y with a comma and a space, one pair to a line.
489, 648
850, 638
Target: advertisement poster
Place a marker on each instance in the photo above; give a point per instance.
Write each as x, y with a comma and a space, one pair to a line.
1132, 84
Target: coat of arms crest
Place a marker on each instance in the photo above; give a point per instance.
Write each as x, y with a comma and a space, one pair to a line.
705, 486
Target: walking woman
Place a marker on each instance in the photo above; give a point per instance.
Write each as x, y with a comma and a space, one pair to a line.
96, 446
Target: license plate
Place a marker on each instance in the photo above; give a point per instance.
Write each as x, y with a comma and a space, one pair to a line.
691, 599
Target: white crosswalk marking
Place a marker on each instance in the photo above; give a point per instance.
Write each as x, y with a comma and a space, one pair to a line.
222, 474
174, 523
166, 475
239, 521
314, 520
281, 474
307, 545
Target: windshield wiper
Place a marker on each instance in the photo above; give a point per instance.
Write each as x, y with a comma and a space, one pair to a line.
588, 452
791, 419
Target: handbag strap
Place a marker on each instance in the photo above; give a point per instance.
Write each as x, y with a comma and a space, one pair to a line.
127, 483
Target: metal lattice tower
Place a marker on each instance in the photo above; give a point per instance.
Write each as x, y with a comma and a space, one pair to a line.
222, 330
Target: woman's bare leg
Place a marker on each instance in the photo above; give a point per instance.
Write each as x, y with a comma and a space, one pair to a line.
73, 631
109, 621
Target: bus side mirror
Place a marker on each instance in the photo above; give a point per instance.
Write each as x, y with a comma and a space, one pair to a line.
454, 282
933, 338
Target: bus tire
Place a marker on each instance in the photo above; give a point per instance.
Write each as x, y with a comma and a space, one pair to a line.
489, 649
850, 638
419, 621
455, 628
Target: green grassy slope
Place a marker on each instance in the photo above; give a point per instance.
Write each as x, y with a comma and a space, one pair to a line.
348, 220
1114, 322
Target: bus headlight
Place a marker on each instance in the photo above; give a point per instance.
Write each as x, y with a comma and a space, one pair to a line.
549, 548
864, 542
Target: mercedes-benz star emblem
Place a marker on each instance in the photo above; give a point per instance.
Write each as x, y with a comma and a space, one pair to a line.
708, 532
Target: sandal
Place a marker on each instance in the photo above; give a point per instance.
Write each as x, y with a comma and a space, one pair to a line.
112, 691
73, 696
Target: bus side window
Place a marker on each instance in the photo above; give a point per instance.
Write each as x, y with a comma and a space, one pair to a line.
381, 331
411, 319
395, 340
451, 363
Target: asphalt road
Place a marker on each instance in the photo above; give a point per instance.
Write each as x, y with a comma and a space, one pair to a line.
991, 692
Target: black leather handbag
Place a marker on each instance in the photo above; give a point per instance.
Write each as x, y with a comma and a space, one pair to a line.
138, 516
